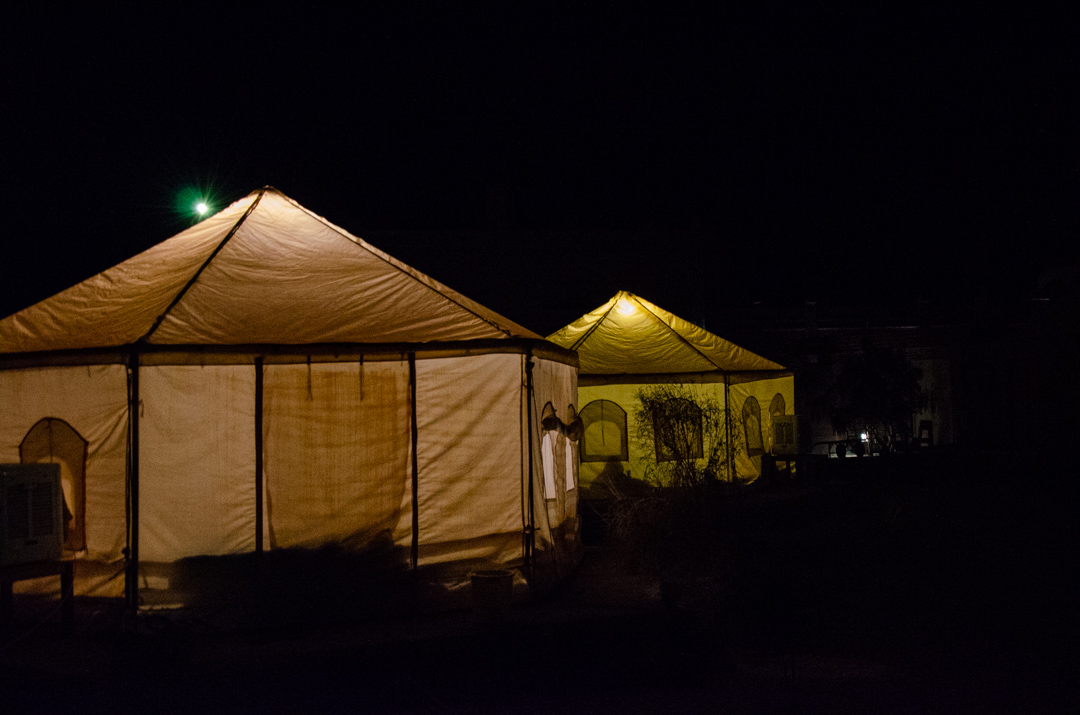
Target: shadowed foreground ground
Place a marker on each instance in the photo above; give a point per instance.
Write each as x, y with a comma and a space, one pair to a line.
939, 586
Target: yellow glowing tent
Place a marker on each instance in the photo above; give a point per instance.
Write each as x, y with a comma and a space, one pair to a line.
265, 379
629, 343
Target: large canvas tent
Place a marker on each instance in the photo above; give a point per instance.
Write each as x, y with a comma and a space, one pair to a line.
267, 380
628, 344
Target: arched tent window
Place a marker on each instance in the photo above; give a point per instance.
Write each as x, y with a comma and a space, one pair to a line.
571, 464
777, 407
677, 430
573, 435
54, 441
547, 462
604, 439
549, 423
751, 419
556, 433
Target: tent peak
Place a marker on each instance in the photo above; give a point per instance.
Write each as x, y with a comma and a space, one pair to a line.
264, 270
183, 291
630, 335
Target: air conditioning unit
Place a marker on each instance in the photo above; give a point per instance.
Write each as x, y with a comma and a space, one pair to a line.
31, 518
785, 434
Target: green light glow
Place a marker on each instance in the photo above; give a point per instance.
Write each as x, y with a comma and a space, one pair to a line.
193, 203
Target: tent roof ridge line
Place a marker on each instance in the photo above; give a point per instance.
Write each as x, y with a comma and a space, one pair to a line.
213, 254
678, 334
390, 260
591, 330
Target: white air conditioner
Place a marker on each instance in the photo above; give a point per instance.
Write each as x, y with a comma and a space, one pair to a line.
785, 434
31, 518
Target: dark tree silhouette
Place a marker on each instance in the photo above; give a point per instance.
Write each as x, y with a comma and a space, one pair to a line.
876, 392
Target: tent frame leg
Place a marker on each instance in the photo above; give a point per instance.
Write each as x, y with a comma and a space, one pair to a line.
530, 526
131, 575
259, 454
415, 550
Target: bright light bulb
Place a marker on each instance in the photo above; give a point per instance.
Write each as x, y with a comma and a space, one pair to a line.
624, 307
201, 208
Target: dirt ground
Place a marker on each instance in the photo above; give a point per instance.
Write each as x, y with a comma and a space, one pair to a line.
911, 592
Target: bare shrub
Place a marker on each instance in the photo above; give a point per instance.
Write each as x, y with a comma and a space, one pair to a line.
673, 524
685, 437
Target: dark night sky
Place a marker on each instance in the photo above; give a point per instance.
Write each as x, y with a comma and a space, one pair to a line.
701, 159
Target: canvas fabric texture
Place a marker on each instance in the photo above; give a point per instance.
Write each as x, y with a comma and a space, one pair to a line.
265, 270
629, 335
267, 277
629, 344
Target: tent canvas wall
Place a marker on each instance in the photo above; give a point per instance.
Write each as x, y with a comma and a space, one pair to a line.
264, 380
628, 344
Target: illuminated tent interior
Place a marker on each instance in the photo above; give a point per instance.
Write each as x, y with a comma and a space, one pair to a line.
626, 345
266, 380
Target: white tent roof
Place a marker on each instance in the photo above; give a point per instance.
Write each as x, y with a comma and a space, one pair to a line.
630, 336
265, 270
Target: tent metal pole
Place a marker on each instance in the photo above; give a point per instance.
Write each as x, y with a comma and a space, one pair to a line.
530, 526
415, 465
727, 427
131, 576
259, 454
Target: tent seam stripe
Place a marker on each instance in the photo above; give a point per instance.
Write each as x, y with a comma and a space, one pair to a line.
183, 291
391, 261
680, 337
595, 325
